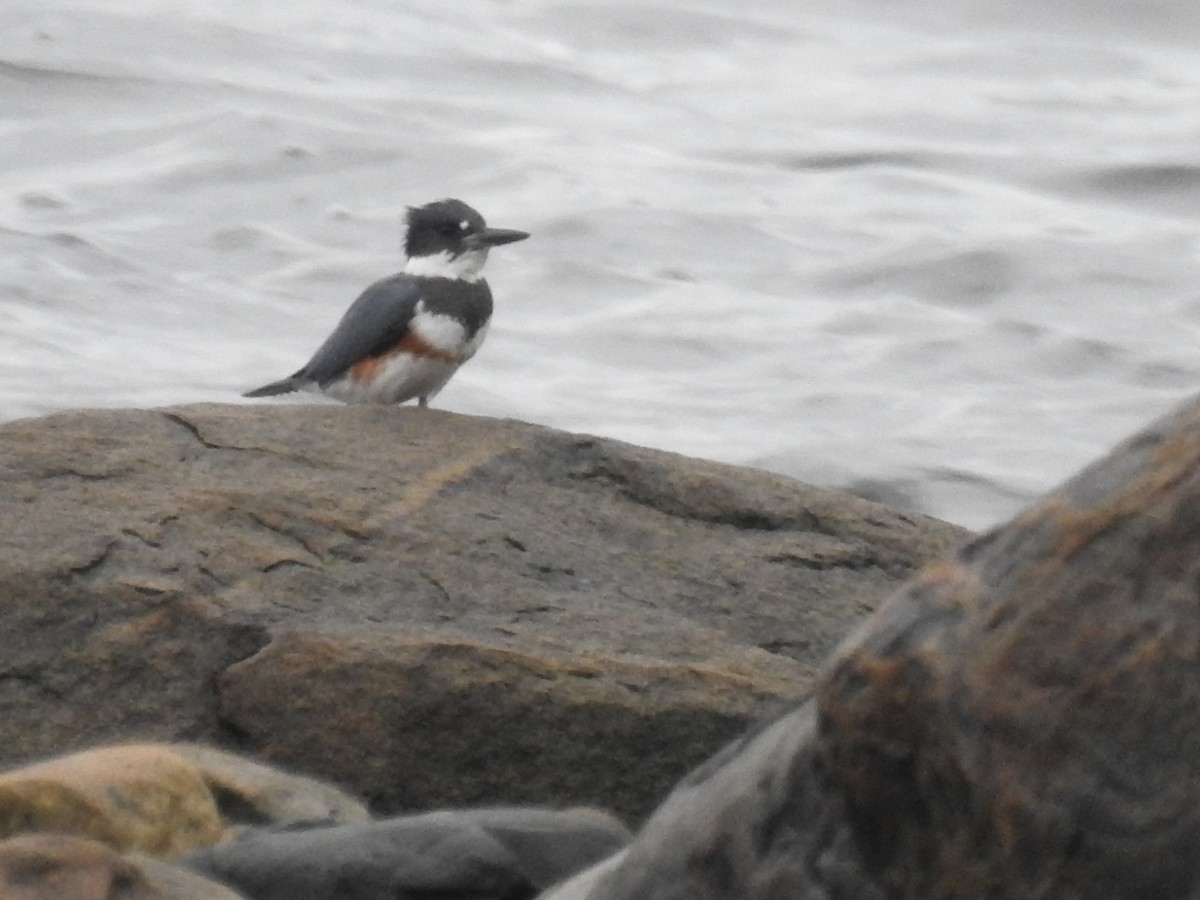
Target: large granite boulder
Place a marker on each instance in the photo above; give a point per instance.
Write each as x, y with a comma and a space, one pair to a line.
1022, 720
427, 609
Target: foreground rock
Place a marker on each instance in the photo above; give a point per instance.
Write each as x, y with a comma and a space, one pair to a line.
62, 867
482, 853
131, 798
249, 793
426, 609
162, 799
1021, 721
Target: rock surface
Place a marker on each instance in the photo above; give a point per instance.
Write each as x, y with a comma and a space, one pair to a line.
162, 799
483, 854
249, 793
132, 798
1020, 721
63, 867
427, 609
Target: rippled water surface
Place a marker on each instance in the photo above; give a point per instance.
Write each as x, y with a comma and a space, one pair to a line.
943, 254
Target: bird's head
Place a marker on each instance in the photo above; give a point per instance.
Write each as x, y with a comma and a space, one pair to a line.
449, 239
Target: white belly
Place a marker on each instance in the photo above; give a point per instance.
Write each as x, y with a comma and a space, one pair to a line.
399, 378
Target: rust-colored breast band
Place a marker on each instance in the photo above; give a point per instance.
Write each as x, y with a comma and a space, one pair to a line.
367, 370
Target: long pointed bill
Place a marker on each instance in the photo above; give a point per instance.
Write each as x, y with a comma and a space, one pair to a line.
494, 237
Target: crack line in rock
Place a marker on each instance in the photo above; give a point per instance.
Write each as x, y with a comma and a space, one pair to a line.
203, 570
82, 476
437, 584
194, 431
258, 520
95, 562
281, 563
33, 681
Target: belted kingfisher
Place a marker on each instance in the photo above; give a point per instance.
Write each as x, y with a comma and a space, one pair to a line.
405, 336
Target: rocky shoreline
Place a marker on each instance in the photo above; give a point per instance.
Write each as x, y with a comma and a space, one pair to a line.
486, 634
429, 609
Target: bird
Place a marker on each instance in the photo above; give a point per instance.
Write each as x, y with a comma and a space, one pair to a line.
407, 334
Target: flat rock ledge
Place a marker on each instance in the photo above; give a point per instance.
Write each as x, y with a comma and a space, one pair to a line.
426, 609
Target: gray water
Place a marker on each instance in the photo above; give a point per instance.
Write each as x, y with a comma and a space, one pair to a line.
945, 253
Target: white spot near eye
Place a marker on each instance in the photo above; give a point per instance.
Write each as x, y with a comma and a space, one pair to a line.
464, 225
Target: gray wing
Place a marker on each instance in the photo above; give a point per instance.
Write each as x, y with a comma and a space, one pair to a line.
373, 324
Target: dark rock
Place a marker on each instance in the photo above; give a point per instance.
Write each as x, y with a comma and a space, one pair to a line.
504, 854
62, 867
174, 882
428, 609
1020, 721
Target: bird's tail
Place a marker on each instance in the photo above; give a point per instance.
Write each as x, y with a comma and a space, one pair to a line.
286, 386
